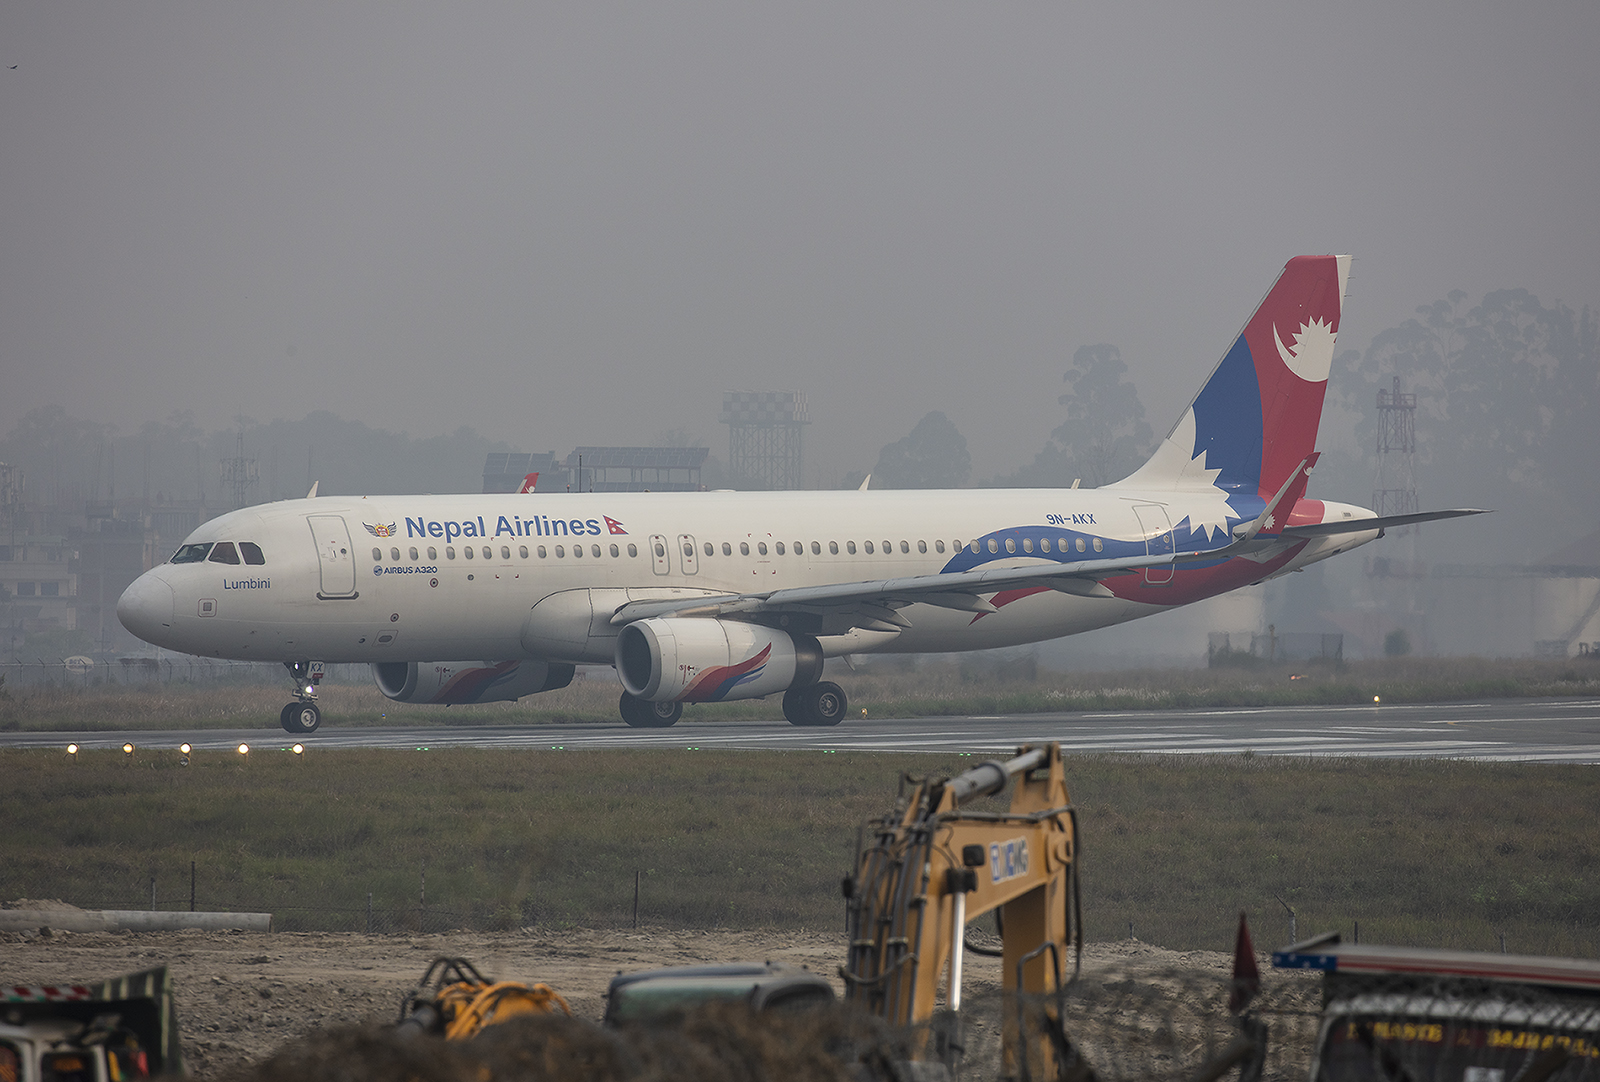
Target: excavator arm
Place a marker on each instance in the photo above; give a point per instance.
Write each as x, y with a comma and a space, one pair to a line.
933, 865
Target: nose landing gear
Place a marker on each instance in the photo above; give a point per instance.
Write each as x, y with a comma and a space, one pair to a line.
302, 715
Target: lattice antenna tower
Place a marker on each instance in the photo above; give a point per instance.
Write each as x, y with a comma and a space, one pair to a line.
764, 436
1396, 491
239, 474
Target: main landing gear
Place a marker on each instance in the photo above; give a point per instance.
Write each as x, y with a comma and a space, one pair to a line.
644, 714
822, 703
302, 715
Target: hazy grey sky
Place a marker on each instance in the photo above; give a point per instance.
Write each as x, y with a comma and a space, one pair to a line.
582, 222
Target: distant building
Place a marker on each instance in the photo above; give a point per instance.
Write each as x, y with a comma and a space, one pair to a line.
38, 588
601, 469
636, 469
505, 472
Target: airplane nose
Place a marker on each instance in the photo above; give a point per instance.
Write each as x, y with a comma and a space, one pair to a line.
145, 607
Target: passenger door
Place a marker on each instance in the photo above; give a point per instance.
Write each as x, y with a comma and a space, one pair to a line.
1157, 530
338, 563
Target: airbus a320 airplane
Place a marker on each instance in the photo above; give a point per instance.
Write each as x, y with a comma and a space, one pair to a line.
706, 597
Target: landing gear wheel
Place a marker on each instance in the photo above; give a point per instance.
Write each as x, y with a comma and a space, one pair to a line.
644, 714
300, 718
819, 704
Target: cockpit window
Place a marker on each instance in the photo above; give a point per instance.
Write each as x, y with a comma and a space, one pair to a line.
191, 554
224, 553
252, 552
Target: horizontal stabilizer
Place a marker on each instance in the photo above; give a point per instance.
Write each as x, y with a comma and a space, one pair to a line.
1361, 525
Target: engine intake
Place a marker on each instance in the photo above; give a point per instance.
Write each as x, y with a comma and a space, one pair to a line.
680, 659
491, 682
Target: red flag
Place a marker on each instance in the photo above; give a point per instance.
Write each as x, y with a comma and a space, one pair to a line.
1246, 977
613, 525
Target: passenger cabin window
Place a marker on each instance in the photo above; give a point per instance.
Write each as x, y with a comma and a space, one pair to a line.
833, 548
449, 552
413, 554
561, 553
850, 547
522, 550
904, 547
888, 547
191, 554
867, 545
816, 548
761, 548
778, 546
938, 546
614, 552
224, 553
505, 552
744, 548
251, 552
394, 554
377, 554
541, 552
1097, 545
1011, 544
466, 550
433, 553
710, 549
594, 550
727, 549
1080, 544
633, 550
577, 551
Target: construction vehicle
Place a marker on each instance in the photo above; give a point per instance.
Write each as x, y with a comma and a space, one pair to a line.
1417, 1014
455, 1001
933, 864
114, 1031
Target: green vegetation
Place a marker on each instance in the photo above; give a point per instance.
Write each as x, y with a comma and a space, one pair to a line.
1425, 853
891, 687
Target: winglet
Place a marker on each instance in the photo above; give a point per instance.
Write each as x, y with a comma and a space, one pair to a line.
865, 481
313, 493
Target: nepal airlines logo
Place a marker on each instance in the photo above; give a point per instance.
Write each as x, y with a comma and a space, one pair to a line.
613, 525
380, 530
1312, 353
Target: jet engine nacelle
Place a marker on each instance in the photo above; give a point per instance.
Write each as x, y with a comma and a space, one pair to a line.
438, 682
703, 660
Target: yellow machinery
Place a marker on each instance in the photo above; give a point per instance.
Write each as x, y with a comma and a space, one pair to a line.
932, 866
462, 1002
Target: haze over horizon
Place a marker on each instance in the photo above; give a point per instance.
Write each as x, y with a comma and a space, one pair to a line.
579, 225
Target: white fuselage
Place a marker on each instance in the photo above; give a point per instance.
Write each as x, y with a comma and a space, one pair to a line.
474, 577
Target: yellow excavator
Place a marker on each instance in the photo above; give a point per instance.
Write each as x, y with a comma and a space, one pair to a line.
932, 865
457, 1002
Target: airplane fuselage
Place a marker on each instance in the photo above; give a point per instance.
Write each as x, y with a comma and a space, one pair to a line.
472, 577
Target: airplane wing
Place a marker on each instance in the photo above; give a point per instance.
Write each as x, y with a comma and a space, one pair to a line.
877, 599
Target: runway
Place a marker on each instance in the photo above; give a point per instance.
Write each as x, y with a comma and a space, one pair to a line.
1498, 730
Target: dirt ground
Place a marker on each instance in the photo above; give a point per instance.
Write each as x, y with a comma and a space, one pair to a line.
243, 995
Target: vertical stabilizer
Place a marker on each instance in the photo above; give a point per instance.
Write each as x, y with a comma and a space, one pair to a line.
1255, 420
